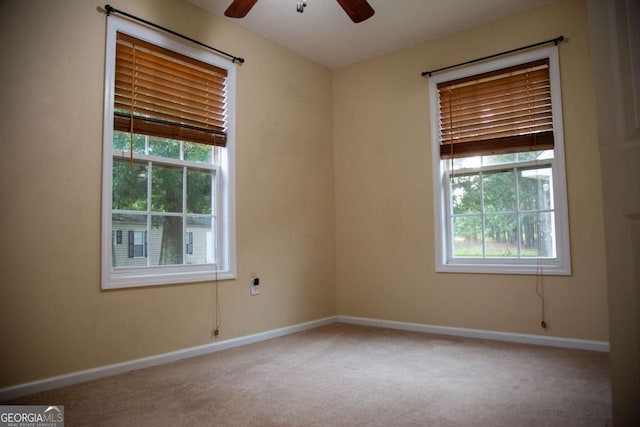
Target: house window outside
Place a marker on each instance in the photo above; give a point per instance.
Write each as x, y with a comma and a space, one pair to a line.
175, 197
137, 244
116, 235
500, 203
189, 243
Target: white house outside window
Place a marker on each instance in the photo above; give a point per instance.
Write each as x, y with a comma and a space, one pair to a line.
168, 160
498, 162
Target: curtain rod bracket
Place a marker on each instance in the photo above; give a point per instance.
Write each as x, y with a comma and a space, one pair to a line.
554, 41
110, 9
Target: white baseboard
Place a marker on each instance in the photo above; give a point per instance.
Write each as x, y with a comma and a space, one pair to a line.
601, 346
25, 389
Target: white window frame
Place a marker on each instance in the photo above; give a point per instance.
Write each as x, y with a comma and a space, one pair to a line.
445, 261
225, 268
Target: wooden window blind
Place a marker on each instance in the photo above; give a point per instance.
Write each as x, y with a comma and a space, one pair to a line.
502, 111
162, 93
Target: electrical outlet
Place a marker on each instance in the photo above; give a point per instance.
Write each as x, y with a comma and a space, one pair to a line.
254, 286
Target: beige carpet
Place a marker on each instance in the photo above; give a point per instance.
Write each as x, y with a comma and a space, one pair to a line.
347, 375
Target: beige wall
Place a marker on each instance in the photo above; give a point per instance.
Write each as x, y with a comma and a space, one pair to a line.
53, 317
384, 205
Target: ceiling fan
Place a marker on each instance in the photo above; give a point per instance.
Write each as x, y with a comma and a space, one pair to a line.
358, 10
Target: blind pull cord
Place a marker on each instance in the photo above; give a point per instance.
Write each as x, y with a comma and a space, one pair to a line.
133, 83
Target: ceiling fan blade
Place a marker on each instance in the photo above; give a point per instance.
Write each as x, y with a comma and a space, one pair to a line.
239, 8
358, 10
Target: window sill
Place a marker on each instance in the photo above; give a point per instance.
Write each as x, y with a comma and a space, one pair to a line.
133, 278
464, 266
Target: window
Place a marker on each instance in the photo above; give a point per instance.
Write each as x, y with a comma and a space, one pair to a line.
116, 235
137, 244
498, 165
189, 243
168, 161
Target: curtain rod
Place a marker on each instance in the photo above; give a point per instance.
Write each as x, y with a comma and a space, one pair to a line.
111, 10
554, 41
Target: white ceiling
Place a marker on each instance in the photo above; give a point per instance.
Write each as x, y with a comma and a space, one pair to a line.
325, 34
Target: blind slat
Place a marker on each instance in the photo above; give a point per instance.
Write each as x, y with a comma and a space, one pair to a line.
496, 104
141, 44
167, 66
142, 112
167, 94
523, 94
167, 109
173, 93
159, 76
151, 127
516, 69
499, 132
501, 114
501, 145
521, 121
500, 111
537, 77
